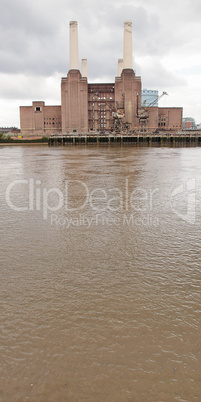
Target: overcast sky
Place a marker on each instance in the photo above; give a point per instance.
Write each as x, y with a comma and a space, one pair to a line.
34, 49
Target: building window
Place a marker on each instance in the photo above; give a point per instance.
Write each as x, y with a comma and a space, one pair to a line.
37, 109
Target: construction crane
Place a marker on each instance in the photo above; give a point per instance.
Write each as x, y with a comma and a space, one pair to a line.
118, 115
118, 120
143, 112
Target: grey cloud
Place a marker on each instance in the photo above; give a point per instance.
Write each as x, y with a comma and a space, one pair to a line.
34, 40
29, 88
35, 37
30, 41
20, 15
157, 76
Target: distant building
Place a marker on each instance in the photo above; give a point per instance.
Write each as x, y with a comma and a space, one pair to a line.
99, 107
9, 130
189, 123
148, 96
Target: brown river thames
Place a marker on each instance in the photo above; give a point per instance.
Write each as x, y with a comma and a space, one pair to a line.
100, 274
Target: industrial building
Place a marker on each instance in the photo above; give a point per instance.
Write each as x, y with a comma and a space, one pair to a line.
109, 107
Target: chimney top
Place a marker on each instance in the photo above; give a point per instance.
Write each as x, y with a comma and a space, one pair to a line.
128, 23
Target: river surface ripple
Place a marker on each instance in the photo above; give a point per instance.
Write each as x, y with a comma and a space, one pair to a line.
100, 274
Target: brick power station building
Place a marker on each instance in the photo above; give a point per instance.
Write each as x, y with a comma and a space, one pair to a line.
98, 107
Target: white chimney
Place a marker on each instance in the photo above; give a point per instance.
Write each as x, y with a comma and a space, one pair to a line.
128, 57
120, 67
84, 68
74, 58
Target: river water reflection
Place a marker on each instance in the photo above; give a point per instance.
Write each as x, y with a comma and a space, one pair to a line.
100, 274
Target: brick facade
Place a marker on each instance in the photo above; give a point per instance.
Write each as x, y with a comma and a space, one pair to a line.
40, 120
89, 107
74, 103
98, 107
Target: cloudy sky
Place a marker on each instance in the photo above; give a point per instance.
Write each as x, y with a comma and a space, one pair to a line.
34, 49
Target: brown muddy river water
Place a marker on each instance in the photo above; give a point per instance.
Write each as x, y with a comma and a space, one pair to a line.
100, 274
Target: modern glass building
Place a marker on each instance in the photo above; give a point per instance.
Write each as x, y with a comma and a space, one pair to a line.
148, 96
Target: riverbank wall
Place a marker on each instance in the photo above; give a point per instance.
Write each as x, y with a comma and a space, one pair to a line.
177, 139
